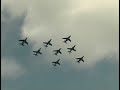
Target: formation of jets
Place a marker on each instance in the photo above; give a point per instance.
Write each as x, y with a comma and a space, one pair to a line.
56, 52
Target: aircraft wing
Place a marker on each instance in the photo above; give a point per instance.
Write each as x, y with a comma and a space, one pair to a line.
58, 63
69, 40
40, 53
74, 49
50, 44
68, 48
34, 51
26, 42
21, 40
45, 42
54, 50
53, 62
64, 38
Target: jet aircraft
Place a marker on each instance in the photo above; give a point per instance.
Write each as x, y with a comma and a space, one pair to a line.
72, 49
67, 39
47, 43
24, 42
57, 62
57, 51
37, 52
80, 59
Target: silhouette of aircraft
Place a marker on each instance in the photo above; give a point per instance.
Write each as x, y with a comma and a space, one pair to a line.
37, 52
57, 51
24, 41
47, 43
57, 62
80, 59
72, 49
67, 39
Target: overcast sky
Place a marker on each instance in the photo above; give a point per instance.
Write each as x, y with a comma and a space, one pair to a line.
93, 26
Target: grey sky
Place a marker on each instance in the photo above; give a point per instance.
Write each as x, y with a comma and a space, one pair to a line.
94, 29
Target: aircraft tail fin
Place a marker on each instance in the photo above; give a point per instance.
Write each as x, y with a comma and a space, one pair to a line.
54, 64
22, 44
78, 61
35, 54
46, 45
55, 53
69, 52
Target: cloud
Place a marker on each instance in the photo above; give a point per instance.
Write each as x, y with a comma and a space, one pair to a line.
94, 32
92, 24
85, 6
94, 29
10, 69
105, 76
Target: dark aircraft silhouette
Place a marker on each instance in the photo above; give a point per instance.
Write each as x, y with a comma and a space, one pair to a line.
47, 43
24, 41
57, 51
37, 52
72, 49
80, 59
57, 62
67, 39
